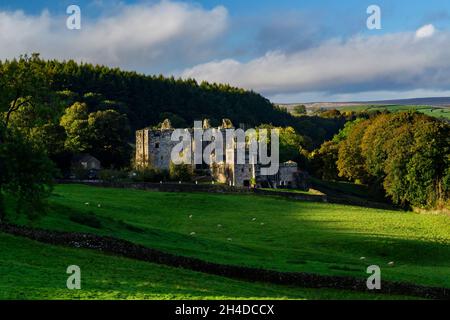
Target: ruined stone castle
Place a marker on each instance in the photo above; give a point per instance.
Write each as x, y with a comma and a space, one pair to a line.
154, 148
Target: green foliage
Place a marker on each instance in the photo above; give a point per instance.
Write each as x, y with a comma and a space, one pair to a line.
107, 136
300, 110
25, 172
75, 122
103, 134
291, 143
150, 175
111, 175
351, 162
147, 100
416, 162
51, 137
79, 172
343, 134
181, 172
323, 161
432, 111
333, 113
25, 100
23, 83
406, 153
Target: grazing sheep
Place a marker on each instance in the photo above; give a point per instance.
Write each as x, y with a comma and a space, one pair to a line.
229, 239
219, 226
362, 258
193, 233
391, 264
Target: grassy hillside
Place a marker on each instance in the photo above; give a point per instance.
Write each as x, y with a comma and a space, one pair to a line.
31, 270
263, 232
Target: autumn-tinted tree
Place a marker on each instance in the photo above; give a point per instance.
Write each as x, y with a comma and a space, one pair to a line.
299, 109
323, 161
351, 161
417, 162
406, 153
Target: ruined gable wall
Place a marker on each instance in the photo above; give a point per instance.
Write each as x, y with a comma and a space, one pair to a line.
142, 155
160, 148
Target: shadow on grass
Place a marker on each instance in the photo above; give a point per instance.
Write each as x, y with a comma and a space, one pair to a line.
291, 241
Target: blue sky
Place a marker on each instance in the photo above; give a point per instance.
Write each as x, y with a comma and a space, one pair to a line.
289, 50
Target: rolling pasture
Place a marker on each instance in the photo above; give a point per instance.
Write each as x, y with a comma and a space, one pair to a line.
37, 271
255, 231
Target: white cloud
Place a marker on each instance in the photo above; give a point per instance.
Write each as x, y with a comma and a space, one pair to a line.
425, 31
170, 35
389, 62
137, 36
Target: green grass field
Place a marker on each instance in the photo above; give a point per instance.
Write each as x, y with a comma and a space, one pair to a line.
263, 232
31, 270
437, 112
348, 188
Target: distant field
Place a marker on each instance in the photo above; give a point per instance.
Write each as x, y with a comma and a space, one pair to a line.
263, 232
434, 111
437, 112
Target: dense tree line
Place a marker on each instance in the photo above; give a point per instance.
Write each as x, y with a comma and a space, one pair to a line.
148, 100
406, 154
145, 98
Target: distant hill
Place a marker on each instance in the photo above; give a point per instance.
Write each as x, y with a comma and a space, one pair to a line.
432, 102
